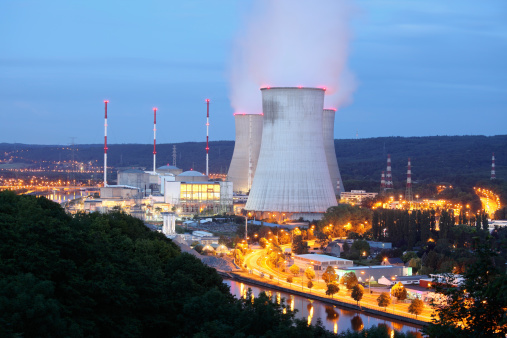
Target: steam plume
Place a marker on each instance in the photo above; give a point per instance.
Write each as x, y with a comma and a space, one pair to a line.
292, 43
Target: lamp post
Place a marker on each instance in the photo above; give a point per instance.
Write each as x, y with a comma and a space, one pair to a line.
369, 281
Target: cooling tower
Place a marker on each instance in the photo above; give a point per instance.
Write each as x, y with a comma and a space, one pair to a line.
246, 151
328, 116
292, 174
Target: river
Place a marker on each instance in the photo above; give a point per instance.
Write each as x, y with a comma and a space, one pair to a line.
333, 318
61, 195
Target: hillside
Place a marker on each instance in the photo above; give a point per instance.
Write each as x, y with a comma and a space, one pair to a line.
453, 159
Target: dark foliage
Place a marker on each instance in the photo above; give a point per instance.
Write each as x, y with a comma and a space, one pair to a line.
108, 275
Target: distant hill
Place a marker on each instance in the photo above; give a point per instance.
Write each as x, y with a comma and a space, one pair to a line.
452, 159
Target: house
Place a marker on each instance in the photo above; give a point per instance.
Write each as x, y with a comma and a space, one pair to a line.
392, 261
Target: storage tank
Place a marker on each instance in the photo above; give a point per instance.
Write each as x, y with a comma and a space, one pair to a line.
328, 116
246, 151
292, 174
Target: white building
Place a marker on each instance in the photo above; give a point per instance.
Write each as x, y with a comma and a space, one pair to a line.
198, 197
356, 196
320, 262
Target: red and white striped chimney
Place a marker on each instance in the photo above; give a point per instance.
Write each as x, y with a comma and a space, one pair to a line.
493, 173
105, 144
154, 139
389, 176
382, 182
207, 136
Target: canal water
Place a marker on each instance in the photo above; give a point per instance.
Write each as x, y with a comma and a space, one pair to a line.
335, 319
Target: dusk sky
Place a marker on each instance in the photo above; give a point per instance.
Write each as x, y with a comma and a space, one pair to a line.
419, 68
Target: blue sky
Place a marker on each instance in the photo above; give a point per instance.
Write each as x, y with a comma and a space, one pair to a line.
422, 68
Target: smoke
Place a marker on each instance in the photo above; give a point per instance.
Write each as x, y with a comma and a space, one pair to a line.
290, 43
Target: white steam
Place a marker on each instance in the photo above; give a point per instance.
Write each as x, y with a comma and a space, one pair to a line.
290, 43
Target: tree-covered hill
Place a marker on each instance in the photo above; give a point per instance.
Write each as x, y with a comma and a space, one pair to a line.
109, 276
454, 159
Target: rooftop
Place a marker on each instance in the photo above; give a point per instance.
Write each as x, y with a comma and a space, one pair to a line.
167, 167
191, 173
368, 267
321, 258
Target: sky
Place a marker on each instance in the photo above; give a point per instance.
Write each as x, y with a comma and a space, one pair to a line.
420, 68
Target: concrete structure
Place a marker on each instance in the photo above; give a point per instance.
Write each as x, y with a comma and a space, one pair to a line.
199, 197
292, 175
169, 225
375, 272
191, 176
169, 169
246, 151
328, 116
134, 178
356, 196
120, 192
320, 262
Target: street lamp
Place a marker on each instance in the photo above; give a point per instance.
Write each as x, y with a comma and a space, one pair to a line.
369, 280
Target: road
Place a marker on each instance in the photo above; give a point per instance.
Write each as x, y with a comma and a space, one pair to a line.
256, 261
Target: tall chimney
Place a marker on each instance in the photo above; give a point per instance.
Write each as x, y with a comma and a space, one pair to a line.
207, 136
154, 139
105, 144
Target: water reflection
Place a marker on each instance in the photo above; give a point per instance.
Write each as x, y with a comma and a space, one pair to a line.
357, 323
334, 319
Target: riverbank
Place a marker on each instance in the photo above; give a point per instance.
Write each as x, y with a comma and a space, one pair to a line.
251, 279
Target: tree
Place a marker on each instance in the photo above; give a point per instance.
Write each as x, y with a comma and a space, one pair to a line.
485, 223
399, 291
310, 285
263, 242
310, 273
290, 280
299, 246
475, 307
294, 269
361, 247
357, 293
384, 300
416, 307
332, 288
329, 275
349, 279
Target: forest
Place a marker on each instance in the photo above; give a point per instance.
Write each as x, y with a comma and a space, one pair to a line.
458, 160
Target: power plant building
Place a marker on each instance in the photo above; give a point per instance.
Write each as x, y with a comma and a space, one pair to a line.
328, 117
194, 197
292, 175
246, 151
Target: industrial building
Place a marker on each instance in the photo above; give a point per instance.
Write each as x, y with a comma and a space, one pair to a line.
320, 262
328, 116
246, 151
292, 175
356, 196
169, 169
375, 272
199, 197
147, 181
